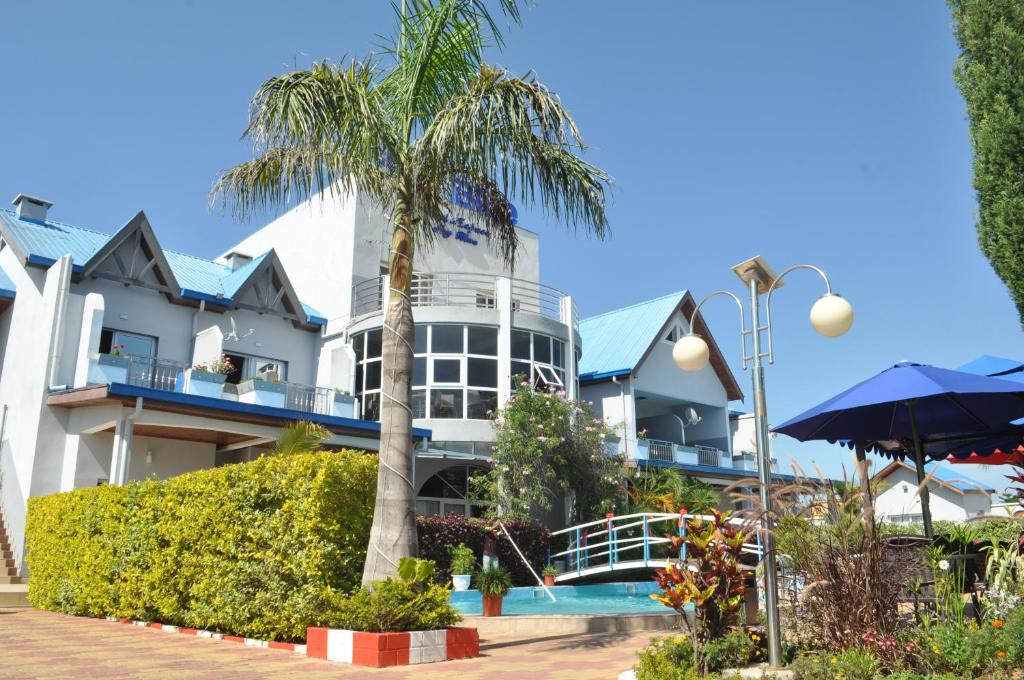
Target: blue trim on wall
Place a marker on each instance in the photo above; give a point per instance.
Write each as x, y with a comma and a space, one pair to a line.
123, 390
591, 377
196, 295
8, 294
316, 320
712, 470
41, 261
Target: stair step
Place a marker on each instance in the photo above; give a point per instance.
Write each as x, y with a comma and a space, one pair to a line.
7, 578
14, 595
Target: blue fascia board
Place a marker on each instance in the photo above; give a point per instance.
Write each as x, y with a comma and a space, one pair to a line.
7, 294
591, 377
712, 470
123, 390
198, 295
316, 320
42, 261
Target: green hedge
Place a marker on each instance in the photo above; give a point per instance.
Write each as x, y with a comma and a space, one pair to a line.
260, 549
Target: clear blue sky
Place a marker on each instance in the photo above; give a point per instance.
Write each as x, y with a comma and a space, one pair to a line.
829, 133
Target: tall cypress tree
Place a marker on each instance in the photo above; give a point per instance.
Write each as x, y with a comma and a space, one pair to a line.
990, 73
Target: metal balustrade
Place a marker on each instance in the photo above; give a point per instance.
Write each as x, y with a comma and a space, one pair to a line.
154, 373
662, 451
456, 289
707, 455
670, 452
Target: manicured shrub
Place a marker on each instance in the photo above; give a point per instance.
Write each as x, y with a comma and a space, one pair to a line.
260, 549
438, 532
667, 658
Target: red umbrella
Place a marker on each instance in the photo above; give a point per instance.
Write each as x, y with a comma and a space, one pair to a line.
1013, 457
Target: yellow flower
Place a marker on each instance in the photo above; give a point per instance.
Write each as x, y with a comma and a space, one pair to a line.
834, 661
936, 649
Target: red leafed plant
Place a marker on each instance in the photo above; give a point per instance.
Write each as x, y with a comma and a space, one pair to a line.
710, 578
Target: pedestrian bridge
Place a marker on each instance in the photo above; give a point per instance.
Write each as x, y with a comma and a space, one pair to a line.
625, 542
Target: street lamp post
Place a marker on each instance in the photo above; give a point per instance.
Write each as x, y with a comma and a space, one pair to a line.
831, 316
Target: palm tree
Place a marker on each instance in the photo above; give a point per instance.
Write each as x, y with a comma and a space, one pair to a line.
669, 490
436, 120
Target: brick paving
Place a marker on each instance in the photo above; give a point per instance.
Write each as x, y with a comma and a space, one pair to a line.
37, 644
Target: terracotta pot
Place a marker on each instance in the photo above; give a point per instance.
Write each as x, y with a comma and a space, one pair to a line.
549, 580
492, 605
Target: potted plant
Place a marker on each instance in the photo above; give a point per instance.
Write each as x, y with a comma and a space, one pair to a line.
257, 390
207, 379
549, 574
463, 565
111, 367
493, 583
344, 405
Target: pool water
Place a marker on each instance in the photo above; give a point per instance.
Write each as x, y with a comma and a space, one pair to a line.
604, 598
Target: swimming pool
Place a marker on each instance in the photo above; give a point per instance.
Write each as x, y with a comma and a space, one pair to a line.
603, 598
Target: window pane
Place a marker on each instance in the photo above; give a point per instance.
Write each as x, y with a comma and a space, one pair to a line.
428, 507
558, 358
419, 404
371, 406
483, 340
454, 479
479, 403
359, 378
373, 375
542, 349
445, 403
419, 371
520, 345
419, 345
482, 372
447, 370
373, 340
106, 340
446, 339
520, 373
358, 345
134, 345
455, 509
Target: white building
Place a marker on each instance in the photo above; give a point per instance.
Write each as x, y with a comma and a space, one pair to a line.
664, 416
953, 496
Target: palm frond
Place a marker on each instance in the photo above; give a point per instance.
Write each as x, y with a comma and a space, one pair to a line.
515, 134
301, 437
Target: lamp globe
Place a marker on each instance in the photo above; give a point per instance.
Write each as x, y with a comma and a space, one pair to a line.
831, 315
690, 353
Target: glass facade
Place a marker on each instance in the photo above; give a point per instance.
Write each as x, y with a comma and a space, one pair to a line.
455, 369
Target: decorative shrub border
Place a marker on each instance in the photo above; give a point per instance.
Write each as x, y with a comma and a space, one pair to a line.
392, 649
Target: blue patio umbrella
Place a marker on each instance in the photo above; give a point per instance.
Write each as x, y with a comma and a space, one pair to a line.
908, 405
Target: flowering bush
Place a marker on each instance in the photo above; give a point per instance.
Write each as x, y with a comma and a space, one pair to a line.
547, 445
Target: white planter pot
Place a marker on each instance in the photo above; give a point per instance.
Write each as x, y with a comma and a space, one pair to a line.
204, 383
343, 406
262, 393
109, 369
461, 581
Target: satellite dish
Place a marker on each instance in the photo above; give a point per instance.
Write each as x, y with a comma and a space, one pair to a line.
690, 416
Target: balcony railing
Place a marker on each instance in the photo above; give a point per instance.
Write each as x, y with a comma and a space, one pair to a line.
670, 452
454, 289
168, 376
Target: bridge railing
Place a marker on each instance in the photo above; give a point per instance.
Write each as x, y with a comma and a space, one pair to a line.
610, 543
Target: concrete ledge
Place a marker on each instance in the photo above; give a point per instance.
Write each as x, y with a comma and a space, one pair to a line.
14, 595
568, 625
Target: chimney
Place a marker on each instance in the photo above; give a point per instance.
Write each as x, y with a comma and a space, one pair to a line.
237, 260
31, 208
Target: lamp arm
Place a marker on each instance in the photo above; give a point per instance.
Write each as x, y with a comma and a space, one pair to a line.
768, 300
743, 331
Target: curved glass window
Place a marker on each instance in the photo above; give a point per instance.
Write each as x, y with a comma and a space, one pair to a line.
448, 491
455, 369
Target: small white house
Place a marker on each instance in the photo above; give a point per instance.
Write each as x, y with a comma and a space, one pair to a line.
954, 497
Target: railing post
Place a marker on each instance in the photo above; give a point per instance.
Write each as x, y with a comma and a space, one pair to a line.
682, 533
647, 542
578, 556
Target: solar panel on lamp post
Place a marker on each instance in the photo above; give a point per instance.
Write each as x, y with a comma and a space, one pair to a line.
831, 316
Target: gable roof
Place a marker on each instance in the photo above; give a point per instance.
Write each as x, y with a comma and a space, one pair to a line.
134, 239
941, 474
43, 243
616, 342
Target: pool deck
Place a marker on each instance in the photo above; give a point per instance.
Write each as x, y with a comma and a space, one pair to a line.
572, 624
38, 644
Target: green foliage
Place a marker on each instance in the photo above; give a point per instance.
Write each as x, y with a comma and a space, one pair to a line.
669, 490
849, 664
463, 559
549, 570
990, 73
258, 549
301, 437
494, 580
735, 649
547, 445
666, 658
410, 602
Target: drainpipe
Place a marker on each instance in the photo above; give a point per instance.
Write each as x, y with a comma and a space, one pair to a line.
127, 440
622, 396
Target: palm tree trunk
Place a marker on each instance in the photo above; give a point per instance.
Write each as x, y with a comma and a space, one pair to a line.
393, 533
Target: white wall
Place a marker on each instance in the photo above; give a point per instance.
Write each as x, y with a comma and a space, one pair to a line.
659, 375
170, 457
901, 498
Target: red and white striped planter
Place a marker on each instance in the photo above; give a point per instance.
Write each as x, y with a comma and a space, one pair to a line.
392, 649
249, 642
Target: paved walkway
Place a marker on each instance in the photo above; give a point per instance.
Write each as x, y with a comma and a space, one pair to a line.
37, 644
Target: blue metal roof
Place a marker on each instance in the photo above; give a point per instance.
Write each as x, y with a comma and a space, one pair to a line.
944, 473
45, 242
614, 342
